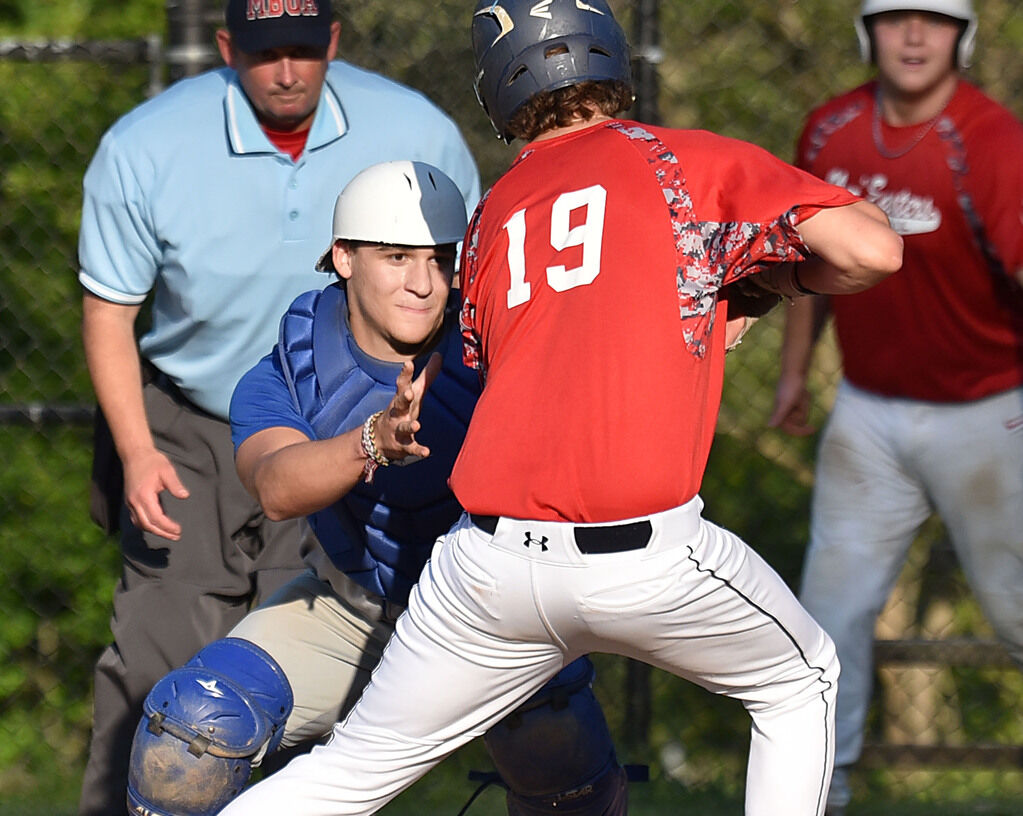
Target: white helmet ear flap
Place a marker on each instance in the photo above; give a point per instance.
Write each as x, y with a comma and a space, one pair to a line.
967, 41
864, 39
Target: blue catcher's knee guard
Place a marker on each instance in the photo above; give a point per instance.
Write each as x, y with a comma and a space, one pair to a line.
555, 752
204, 726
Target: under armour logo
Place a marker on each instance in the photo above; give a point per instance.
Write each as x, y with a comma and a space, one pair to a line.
541, 542
211, 687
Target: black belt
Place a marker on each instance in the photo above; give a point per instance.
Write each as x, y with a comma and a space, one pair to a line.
609, 538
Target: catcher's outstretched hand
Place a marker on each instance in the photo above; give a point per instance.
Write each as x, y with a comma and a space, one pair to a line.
397, 427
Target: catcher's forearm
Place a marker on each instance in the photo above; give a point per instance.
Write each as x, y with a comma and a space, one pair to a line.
292, 476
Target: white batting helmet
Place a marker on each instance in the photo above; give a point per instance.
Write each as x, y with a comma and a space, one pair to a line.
957, 9
405, 203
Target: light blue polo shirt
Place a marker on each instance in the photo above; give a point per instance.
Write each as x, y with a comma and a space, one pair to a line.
188, 199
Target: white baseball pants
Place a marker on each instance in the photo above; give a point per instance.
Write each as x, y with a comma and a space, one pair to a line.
494, 616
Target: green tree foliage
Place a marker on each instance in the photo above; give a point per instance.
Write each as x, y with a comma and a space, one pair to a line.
59, 571
51, 118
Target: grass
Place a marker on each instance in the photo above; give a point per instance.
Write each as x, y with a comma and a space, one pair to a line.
445, 796
658, 798
447, 789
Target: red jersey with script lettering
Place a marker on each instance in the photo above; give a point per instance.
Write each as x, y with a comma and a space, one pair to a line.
948, 327
590, 276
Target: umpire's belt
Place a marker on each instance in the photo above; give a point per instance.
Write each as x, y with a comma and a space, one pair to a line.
592, 540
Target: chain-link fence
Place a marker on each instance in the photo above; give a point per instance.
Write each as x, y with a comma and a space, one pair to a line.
746, 69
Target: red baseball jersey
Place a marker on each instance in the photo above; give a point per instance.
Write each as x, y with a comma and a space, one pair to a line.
948, 327
590, 276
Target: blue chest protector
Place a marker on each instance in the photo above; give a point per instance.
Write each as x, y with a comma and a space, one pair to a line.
379, 534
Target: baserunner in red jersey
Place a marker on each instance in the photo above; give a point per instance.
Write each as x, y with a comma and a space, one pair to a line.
929, 414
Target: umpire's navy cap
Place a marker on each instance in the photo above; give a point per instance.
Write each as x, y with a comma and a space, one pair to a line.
258, 25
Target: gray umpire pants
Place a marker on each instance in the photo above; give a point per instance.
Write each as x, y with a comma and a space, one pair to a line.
174, 597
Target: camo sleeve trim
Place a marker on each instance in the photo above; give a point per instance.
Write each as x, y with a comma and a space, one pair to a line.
708, 253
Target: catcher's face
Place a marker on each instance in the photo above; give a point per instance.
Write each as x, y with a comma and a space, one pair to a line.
396, 295
915, 52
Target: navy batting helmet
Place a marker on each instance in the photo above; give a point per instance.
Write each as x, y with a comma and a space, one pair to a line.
525, 47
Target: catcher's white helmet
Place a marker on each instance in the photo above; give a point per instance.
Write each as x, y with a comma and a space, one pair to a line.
957, 9
406, 203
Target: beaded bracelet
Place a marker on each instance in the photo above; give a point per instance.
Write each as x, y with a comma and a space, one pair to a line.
374, 458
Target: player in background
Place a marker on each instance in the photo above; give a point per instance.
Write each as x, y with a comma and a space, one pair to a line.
316, 424
219, 238
591, 274
929, 414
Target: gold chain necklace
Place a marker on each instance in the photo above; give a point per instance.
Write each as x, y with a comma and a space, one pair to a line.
875, 129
